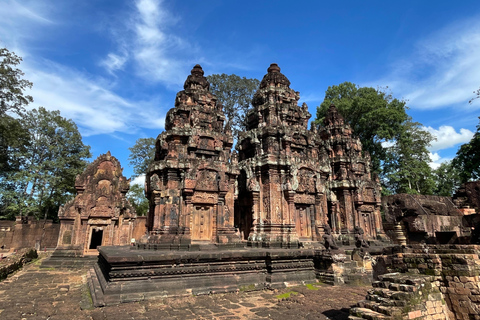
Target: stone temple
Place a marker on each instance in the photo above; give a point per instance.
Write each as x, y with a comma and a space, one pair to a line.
291, 181
289, 206
256, 217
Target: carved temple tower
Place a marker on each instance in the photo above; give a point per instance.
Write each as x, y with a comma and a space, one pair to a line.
354, 199
282, 196
191, 183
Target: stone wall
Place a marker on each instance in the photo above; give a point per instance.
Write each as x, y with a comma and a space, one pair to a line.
25, 233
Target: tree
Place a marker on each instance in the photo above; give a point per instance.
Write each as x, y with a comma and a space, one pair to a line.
467, 159
447, 179
141, 155
407, 169
136, 196
12, 86
49, 163
235, 94
477, 93
12, 100
374, 115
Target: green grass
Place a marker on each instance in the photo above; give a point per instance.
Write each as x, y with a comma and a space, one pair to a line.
311, 286
286, 295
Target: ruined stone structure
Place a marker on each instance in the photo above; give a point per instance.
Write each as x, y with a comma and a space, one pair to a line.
100, 215
424, 282
191, 183
294, 181
354, 198
411, 219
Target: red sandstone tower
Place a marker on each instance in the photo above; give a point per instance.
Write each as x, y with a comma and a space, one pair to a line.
282, 196
191, 183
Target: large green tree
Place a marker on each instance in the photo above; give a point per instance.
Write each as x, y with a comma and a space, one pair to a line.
235, 94
397, 145
141, 155
447, 179
49, 163
12, 84
13, 101
406, 168
136, 196
467, 159
374, 115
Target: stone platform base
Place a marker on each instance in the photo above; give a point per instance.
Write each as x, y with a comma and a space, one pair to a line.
125, 274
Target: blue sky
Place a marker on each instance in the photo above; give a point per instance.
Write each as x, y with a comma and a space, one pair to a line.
114, 67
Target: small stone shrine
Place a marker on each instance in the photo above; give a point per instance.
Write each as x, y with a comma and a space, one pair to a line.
99, 215
282, 184
191, 183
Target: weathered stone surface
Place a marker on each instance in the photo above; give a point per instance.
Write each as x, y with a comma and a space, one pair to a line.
38, 293
424, 218
100, 214
191, 183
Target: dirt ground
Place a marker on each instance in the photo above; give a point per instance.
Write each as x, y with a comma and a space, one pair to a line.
48, 293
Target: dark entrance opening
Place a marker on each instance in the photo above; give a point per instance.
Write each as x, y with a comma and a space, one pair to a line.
446, 237
96, 239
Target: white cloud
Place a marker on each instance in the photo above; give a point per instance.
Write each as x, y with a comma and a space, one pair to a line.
88, 100
94, 108
114, 62
156, 52
16, 21
436, 160
140, 180
443, 69
447, 137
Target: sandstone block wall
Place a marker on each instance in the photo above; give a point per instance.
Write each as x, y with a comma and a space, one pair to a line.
28, 233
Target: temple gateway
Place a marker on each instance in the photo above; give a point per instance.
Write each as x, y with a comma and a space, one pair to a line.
280, 187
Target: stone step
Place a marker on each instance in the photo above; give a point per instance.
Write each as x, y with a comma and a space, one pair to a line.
364, 313
388, 310
69, 262
350, 317
402, 287
380, 284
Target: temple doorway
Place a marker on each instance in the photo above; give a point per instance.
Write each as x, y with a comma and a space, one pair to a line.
96, 239
202, 223
303, 219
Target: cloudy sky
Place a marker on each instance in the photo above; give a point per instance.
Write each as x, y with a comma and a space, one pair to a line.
114, 67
